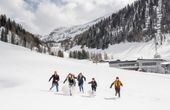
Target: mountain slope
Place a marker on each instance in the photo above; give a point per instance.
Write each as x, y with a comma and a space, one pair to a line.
14, 33
139, 22
63, 36
132, 50
24, 84
63, 33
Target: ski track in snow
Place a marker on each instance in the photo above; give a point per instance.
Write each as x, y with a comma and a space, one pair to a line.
24, 84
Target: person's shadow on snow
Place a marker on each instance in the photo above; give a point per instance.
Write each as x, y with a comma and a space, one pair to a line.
62, 94
110, 98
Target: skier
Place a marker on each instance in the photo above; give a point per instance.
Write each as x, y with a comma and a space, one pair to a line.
117, 84
55, 81
93, 85
81, 79
71, 80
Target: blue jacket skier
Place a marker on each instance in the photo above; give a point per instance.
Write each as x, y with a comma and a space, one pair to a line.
81, 79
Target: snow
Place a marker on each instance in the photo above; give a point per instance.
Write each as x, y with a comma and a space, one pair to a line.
147, 16
133, 50
62, 33
24, 84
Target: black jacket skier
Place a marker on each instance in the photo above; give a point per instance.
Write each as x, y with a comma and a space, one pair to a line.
93, 84
71, 79
55, 79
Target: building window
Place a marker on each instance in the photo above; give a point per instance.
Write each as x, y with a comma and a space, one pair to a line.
127, 65
149, 64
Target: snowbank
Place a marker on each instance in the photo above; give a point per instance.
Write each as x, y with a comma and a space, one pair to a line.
24, 84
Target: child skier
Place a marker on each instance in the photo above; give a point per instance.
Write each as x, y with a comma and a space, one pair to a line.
71, 80
81, 79
93, 85
55, 81
117, 84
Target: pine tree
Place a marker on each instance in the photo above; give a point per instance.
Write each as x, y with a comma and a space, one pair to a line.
60, 54
5, 35
2, 35
84, 54
12, 38
75, 54
79, 55
105, 56
71, 54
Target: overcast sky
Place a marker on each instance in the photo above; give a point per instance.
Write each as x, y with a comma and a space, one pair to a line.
43, 16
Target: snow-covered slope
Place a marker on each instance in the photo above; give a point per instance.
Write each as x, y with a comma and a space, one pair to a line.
62, 33
24, 84
133, 50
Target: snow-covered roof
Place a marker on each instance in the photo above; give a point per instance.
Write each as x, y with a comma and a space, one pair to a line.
118, 61
154, 59
165, 63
